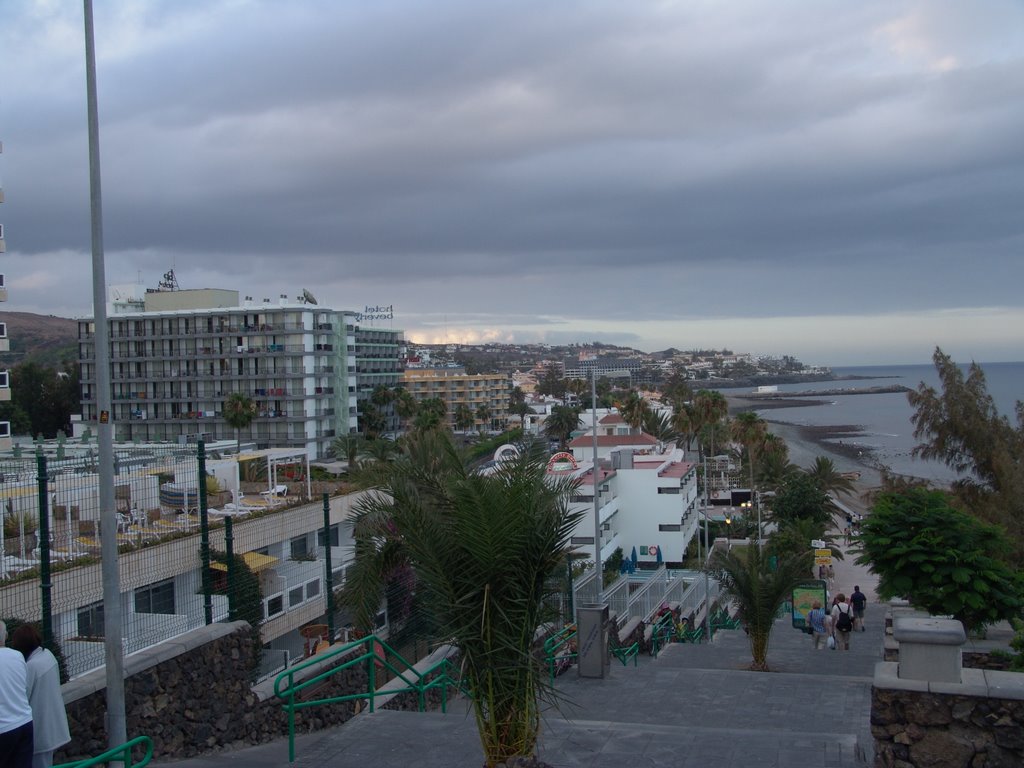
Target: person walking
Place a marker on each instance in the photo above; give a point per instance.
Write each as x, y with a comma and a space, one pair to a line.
842, 622
15, 713
858, 600
50, 720
818, 623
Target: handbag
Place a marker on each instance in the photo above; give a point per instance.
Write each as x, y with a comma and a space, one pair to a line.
832, 642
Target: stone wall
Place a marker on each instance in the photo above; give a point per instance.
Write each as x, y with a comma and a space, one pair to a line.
978, 723
192, 695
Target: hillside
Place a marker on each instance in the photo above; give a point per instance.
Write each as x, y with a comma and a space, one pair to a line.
44, 339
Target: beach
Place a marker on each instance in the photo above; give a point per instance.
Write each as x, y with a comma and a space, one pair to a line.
806, 443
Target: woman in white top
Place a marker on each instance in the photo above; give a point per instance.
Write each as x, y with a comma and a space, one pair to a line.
15, 714
50, 721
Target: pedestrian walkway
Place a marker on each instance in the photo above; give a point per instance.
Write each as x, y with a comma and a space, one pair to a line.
695, 705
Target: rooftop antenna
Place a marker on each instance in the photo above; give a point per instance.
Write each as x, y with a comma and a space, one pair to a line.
169, 283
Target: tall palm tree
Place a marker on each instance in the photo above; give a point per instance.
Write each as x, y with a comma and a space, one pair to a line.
559, 425
634, 409
349, 447
773, 468
483, 549
463, 416
749, 430
684, 421
239, 411
758, 591
711, 408
405, 405
828, 478
430, 415
483, 415
660, 426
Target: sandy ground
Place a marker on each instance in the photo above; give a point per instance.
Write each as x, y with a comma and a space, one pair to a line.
808, 443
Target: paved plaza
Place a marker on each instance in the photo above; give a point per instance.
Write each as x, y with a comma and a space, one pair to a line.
694, 705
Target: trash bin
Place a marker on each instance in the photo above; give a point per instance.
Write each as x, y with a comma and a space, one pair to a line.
592, 636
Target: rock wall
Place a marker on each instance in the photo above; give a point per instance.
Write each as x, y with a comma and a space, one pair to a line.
978, 723
193, 695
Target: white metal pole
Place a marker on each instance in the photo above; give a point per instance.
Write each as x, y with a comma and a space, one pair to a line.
597, 486
116, 728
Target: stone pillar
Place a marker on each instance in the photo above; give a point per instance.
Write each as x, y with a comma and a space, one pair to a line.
929, 648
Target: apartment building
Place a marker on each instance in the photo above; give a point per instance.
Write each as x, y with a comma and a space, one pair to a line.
645, 500
456, 387
175, 362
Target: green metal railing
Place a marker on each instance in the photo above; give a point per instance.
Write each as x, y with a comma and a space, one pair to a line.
561, 646
376, 654
120, 754
663, 632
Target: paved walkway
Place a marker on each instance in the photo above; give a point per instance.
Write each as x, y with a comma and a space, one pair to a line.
695, 705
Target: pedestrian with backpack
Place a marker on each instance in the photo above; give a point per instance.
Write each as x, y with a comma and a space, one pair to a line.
858, 601
842, 622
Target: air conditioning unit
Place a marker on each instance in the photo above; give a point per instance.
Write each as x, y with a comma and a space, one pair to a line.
5, 380
3, 330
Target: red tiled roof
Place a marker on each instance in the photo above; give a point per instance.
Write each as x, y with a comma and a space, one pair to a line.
611, 441
677, 469
612, 418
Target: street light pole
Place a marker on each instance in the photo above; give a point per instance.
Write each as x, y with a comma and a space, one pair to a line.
597, 504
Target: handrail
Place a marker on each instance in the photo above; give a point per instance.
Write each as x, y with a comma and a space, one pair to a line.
121, 754
662, 632
417, 683
561, 639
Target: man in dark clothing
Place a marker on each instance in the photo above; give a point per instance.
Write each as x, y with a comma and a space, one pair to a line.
858, 600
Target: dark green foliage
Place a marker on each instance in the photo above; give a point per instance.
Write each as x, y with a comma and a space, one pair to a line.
940, 559
758, 591
561, 423
800, 498
961, 427
245, 599
43, 399
485, 551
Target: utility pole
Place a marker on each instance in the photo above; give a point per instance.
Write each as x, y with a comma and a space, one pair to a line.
116, 728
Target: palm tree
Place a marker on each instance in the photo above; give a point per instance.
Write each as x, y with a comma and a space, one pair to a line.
483, 415
430, 414
758, 591
463, 416
483, 549
349, 447
405, 405
238, 411
749, 430
683, 421
559, 425
660, 427
633, 409
380, 449
773, 468
710, 408
828, 478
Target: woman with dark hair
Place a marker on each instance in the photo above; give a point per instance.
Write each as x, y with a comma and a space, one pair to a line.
49, 720
15, 713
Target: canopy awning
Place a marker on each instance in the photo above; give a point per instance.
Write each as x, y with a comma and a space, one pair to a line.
254, 560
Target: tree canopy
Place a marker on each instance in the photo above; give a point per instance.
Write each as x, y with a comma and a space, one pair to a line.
940, 559
962, 427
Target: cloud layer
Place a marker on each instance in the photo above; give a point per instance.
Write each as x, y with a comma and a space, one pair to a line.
666, 173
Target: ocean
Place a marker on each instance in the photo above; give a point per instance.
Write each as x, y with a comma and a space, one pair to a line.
887, 431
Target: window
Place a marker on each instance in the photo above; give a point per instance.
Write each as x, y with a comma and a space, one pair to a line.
294, 597
312, 589
155, 598
670, 490
299, 548
580, 540
670, 527
90, 620
334, 536
275, 605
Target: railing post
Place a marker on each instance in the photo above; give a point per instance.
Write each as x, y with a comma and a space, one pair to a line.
329, 568
42, 484
229, 552
204, 532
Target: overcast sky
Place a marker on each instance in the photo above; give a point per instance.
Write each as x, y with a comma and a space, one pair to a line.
839, 181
